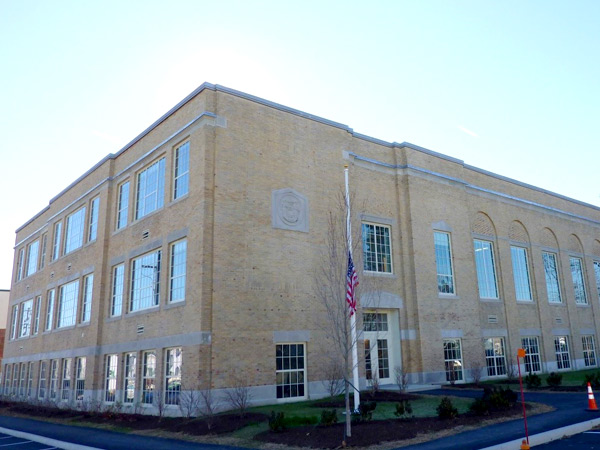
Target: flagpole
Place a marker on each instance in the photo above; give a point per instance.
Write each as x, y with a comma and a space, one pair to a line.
352, 316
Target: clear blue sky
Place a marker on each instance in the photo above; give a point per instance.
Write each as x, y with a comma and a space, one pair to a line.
508, 86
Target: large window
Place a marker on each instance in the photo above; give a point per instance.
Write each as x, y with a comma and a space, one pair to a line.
30, 380
561, 349
178, 261
123, 205
86, 302
65, 385
486, 271
182, 170
531, 346
148, 377
552, 280
43, 253
7, 378
23, 380
56, 240
110, 378
50, 310
53, 379
377, 248
173, 360
36, 314
150, 189
521, 273
578, 283
495, 357
80, 364
453, 360
130, 377
93, 228
597, 273
589, 350
74, 231
26, 316
20, 262
116, 304
32, 258
290, 370
443, 262
13, 322
42, 380
67, 304
145, 281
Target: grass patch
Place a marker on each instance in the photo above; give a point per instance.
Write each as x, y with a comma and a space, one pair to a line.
569, 378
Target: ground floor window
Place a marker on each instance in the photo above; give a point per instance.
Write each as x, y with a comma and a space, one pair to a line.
65, 388
290, 370
531, 345
561, 348
7, 378
15, 388
80, 364
453, 360
173, 358
110, 378
495, 357
22, 380
130, 375
53, 379
30, 381
589, 350
42, 381
148, 377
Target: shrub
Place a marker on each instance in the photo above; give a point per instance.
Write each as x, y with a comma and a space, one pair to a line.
446, 409
494, 399
403, 408
533, 381
554, 379
365, 411
276, 421
593, 379
480, 407
328, 417
294, 421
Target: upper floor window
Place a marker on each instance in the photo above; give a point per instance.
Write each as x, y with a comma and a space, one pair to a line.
597, 273
145, 281
56, 240
93, 229
117, 290
178, 262
123, 205
67, 304
26, 315
486, 272
86, 301
50, 310
32, 258
443, 262
36, 317
521, 273
552, 280
20, 262
13, 322
578, 283
377, 248
43, 254
150, 189
182, 170
74, 231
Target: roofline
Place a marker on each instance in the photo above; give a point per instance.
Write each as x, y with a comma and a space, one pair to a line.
297, 112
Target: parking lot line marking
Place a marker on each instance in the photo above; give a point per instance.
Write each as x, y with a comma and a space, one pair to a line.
16, 443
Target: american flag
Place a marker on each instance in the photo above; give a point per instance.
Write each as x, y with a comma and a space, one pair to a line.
351, 283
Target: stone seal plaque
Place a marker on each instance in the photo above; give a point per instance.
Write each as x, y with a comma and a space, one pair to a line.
289, 210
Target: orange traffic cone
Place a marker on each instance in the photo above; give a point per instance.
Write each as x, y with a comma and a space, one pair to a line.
591, 401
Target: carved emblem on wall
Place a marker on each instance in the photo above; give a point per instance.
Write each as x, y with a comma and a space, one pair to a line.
289, 210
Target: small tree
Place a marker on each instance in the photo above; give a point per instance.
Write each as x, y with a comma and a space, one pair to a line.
189, 402
159, 402
401, 378
208, 407
334, 378
239, 397
476, 372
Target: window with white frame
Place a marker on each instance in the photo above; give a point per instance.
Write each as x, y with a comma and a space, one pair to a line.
30, 381
65, 385
50, 310
56, 240
130, 375
148, 376
578, 283
178, 271
173, 359
36, 314
116, 303
182, 170
26, 315
520, 267
597, 273
20, 263
7, 378
67, 304
43, 250
13, 322
15, 387
86, 301
495, 357
42, 380
561, 350
93, 227
80, 364
531, 345
123, 205
589, 350
110, 378
145, 281
453, 360
290, 370
443, 262
75, 225
552, 279
53, 394
150, 189
23, 380
32, 258
486, 271
377, 248
373, 321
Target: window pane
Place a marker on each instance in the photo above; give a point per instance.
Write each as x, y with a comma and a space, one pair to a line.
376, 248
551, 274
521, 273
578, 283
32, 258
67, 306
117, 291
145, 281
123, 207
443, 261
178, 271
181, 179
93, 230
150, 189
74, 231
486, 273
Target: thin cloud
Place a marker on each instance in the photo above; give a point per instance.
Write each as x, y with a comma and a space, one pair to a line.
465, 130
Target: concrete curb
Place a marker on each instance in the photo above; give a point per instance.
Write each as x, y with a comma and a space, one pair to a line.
548, 436
45, 440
